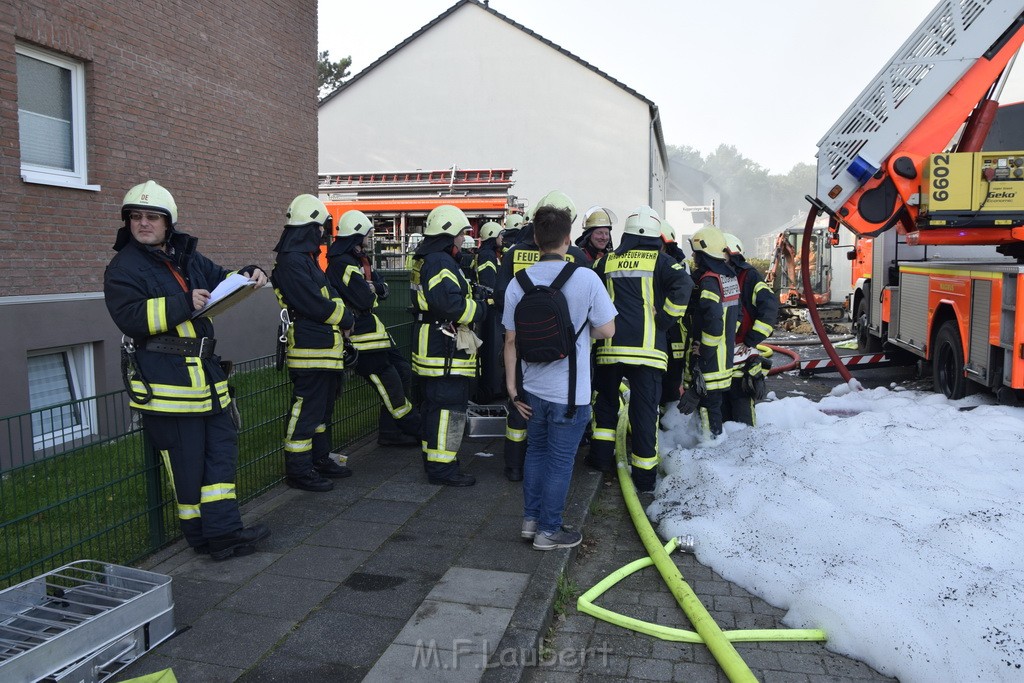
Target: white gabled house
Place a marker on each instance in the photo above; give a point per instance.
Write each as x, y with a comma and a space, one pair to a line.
475, 89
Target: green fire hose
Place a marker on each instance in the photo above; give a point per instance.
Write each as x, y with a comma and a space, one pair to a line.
719, 642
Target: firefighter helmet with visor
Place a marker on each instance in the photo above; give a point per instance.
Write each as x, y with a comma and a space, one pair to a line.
354, 222
709, 240
150, 196
445, 220
306, 210
489, 230
644, 222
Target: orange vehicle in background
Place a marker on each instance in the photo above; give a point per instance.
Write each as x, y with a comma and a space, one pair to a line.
912, 170
398, 202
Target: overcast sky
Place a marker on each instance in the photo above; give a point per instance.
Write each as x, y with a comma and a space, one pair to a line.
769, 78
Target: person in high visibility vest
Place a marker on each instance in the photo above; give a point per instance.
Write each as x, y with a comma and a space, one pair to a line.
714, 313
523, 254
651, 292
444, 347
152, 287
315, 357
759, 310
379, 361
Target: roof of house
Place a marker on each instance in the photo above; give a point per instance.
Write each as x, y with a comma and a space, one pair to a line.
686, 183
655, 117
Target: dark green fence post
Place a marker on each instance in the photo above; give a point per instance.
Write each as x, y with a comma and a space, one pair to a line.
154, 499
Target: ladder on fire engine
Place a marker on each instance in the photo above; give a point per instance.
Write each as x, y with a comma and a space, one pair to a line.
951, 39
448, 180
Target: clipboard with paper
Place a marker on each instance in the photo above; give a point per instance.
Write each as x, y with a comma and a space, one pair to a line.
232, 290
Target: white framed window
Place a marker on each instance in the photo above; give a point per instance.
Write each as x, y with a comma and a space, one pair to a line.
51, 119
57, 381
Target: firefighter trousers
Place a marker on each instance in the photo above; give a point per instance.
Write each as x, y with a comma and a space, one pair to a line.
200, 455
710, 411
443, 415
491, 384
308, 437
390, 374
738, 405
515, 439
644, 395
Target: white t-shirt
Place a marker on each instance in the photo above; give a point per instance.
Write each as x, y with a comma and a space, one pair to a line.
589, 304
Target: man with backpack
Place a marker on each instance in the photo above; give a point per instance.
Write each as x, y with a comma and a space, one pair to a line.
547, 373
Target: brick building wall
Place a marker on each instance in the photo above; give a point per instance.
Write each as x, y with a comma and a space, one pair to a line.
216, 101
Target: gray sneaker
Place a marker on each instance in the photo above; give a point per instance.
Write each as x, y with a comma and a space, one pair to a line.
529, 529
559, 539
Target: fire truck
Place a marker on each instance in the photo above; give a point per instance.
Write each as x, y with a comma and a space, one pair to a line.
906, 165
398, 202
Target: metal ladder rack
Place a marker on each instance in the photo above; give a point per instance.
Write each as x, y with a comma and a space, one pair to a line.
82, 622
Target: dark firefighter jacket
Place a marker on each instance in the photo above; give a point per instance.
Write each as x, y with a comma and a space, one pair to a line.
760, 306
441, 299
149, 292
650, 292
523, 254
714, 313
349, 273
317, 312
486, 266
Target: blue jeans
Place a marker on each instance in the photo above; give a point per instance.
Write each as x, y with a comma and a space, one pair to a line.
552, 440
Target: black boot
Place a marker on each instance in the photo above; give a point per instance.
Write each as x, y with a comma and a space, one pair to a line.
514, 473
399, 439
238, 543
309, 481
326, 467
457, 479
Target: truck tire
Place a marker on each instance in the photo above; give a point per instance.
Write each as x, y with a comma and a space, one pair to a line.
948, 362
866, 343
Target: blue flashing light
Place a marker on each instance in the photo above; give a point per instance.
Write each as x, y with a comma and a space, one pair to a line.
861, 169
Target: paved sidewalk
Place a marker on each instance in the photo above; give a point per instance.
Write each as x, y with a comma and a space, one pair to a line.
385, 578
388, 578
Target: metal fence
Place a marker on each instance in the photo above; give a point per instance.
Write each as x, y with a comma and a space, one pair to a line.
105, 496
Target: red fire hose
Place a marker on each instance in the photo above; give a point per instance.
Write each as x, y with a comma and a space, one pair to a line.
812, 306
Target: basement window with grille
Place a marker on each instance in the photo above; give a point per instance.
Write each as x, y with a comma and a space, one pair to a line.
51, 119
58, 382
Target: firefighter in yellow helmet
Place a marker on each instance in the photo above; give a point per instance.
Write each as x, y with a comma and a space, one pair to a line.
509, 234
759, 310
650, 292
444, 347
379, 361
596, 240
713, 317
152, 288
522, 254
319, 320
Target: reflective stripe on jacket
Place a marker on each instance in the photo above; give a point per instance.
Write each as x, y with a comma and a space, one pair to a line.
145, 297
650, 292
318, 313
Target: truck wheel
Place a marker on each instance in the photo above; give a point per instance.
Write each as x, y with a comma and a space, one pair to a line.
866, 343
948, 362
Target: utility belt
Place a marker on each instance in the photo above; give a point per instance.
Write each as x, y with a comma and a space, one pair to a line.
203, 347
426, 317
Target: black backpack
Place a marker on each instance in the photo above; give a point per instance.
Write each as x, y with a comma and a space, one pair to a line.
544, 329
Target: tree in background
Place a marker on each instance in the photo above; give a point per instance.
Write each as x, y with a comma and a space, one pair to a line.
754, 201
330, 74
